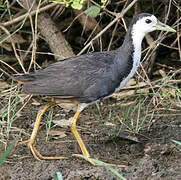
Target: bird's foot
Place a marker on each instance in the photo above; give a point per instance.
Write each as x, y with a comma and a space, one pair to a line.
96, 162
36, 153
86, 158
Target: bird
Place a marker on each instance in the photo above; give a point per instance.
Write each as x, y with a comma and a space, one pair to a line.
88, 78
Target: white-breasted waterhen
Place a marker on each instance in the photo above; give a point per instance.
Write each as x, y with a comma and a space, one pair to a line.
89, 78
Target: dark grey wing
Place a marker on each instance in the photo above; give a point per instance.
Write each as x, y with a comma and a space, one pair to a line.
87, 77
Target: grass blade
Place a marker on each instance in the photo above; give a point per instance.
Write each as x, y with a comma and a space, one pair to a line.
6, 153
105, 165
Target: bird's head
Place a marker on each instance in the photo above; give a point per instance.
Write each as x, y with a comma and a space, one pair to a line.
145, 23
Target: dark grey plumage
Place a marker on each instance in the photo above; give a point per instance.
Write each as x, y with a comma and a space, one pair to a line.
88, 77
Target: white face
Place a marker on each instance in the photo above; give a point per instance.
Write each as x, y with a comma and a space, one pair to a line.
145, 25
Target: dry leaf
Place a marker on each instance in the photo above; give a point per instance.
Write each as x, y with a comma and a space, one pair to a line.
143, 91
23, 97
6, 46
63, 122
162, 73
35, 102
3, 85
16, 38
123, 94
57, 134
109, 124
68, 106
131, 82
127, 103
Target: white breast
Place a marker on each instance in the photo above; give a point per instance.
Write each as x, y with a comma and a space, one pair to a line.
136, 62
137, 37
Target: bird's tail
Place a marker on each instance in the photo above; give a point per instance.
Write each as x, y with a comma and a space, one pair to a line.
23, 77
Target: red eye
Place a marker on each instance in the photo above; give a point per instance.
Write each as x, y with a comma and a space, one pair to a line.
148, 21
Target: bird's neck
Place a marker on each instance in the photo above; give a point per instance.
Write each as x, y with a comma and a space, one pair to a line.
132, 43
137, 38
129, 55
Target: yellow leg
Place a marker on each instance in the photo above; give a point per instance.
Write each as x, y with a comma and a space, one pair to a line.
32, 139
79, 139
81, 143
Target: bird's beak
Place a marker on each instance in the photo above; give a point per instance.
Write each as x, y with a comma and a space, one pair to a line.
164, 27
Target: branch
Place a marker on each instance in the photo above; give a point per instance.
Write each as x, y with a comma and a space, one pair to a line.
119, 15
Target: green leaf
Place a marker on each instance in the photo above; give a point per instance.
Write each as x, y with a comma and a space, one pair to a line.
92, 11
76, 5
103, 1
58, 176
82, 1
105, 165
6, 153
176, 142
58, 2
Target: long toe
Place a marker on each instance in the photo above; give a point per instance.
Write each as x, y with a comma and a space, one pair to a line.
24, 142
38, 156
98, 163
86, 158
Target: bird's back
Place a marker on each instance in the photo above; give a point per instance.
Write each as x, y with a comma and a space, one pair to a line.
87, 77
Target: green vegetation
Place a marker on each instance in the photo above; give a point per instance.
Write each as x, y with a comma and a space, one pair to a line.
177, 144
6, 153
49, 123
92, 11
9, 110
58, 176
100, 163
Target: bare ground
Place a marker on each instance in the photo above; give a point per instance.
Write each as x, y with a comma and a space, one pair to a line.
150, 156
